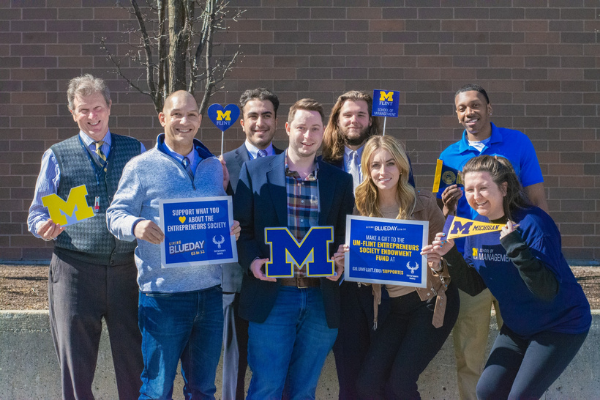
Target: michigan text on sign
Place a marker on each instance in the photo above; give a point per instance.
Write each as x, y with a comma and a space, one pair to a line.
459, 227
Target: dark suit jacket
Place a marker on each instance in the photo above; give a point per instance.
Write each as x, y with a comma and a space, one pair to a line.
234, 160
260, 202
411, 179
231, 280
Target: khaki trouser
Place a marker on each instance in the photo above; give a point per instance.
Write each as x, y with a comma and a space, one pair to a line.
470, 337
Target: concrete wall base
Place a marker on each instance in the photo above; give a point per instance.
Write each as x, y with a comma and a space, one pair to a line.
29, 368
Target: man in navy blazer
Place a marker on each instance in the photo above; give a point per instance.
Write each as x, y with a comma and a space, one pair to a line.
293, 321
234, 160
259, 122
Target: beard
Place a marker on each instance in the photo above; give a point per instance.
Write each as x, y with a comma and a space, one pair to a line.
358, 140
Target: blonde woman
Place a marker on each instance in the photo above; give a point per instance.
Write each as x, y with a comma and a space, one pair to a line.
419, 319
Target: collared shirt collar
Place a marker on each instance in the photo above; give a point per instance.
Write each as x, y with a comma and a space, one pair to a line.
496, 137
348, 151
191, 155
88, 141
201, 149
311, 177
253, 150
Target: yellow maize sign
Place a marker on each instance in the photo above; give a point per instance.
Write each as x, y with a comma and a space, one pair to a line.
75, 209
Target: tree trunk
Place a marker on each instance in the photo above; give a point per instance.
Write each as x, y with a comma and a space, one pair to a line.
178, 38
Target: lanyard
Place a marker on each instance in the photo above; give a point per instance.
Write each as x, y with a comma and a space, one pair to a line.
97, 171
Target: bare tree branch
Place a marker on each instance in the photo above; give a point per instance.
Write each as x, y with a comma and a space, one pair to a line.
168, 53
150, 66
117, 63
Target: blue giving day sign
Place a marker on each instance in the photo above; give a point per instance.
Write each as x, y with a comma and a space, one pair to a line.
197, 232
386, 251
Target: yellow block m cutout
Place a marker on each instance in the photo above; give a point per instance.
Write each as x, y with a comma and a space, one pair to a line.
75, 209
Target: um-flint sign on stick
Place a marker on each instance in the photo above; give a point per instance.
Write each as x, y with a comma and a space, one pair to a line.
223, 118
385, 104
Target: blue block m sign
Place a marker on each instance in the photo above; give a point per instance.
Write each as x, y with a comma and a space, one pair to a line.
312, 253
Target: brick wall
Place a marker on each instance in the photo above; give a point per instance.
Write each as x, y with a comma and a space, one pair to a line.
538, 59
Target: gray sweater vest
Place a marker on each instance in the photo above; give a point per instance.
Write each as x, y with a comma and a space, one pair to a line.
91, 236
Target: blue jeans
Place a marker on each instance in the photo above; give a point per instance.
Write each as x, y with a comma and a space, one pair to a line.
185, 325
292, 343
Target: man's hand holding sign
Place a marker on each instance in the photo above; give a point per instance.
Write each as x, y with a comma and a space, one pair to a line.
49, 230
450, 181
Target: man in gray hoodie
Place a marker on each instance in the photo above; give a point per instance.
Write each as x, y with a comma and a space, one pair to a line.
180, 309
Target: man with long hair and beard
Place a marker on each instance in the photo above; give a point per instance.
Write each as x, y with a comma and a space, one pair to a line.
350, 126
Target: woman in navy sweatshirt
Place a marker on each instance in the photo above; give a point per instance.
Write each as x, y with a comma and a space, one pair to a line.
546, 314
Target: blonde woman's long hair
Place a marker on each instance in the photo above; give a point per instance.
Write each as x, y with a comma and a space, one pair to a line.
367, 194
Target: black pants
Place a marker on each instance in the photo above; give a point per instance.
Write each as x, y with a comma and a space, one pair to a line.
523, 368
404, 345
355, 334
80, 295
241, 331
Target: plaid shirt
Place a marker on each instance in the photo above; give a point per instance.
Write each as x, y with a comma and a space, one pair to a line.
302, 205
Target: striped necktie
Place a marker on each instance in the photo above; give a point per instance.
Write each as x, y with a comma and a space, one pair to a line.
187, 165
354, 169
261, 153
100, 153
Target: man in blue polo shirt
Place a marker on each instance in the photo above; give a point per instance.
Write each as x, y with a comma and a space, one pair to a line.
480, 137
